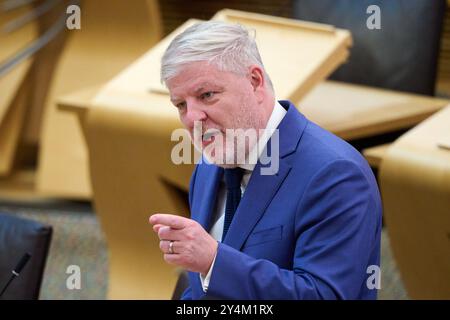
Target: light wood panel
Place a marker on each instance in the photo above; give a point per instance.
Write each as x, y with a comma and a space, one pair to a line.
13, 87
44, 65
113, 34
11, 44
354, 111
415, 186
375, 155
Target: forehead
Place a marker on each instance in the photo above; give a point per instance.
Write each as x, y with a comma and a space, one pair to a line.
196, 76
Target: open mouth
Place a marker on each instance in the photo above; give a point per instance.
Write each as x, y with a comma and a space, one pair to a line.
209, 136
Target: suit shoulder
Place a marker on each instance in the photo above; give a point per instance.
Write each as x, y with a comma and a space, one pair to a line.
319, 148
325, 147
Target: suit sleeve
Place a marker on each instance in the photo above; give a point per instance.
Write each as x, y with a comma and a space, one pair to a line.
187, 295
191, 187
337, 226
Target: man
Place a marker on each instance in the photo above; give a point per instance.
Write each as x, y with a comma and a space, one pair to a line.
308, 230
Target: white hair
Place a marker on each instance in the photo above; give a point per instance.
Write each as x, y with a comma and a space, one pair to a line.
229, 47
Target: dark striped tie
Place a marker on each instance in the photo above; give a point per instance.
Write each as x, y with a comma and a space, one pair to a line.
233, 179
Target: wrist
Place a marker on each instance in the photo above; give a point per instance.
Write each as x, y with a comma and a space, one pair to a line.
211, 259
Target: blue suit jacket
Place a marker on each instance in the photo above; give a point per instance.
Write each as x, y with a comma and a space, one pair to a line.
308, 232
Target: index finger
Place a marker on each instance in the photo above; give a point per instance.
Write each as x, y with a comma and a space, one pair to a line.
171, 220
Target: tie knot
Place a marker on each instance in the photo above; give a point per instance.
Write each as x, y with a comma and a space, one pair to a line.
233, 178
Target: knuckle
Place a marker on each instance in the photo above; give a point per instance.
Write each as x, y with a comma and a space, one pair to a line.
163, 232
192, 223
180, 247
190, 235
166, 258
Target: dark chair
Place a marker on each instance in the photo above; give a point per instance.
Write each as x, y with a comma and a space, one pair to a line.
402, 55
19, 236
182, 284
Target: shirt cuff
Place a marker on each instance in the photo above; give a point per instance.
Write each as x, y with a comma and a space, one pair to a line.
205, 280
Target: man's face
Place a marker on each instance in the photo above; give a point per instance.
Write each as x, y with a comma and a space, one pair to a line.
211, 101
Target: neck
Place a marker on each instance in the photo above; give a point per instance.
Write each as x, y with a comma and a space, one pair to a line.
268, 106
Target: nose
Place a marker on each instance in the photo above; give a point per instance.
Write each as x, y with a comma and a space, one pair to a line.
193, 113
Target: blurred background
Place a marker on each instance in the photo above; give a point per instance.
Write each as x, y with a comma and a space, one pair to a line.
85, 131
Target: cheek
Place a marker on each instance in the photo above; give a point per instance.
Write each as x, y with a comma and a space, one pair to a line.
228, 111
223, 117
231, 108
189, 125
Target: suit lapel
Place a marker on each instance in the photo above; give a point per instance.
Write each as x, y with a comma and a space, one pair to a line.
258, 195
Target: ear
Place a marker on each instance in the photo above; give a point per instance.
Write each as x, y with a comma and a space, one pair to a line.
258, 82
256, 75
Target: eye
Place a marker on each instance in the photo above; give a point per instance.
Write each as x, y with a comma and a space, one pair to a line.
207, 95
181, 105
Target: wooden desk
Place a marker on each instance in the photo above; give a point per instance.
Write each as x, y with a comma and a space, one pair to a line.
353, 111
415, 185
375, 155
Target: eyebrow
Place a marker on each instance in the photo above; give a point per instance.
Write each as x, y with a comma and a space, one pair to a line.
197, 91
215, 86
200, 89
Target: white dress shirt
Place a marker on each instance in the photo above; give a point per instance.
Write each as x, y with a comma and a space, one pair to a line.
216, 231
